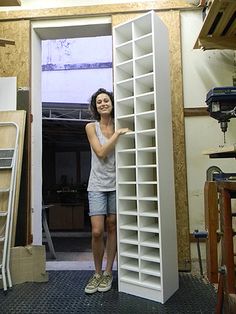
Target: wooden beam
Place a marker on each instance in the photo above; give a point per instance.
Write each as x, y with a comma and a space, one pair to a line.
100, 9
196, 112
10, 3
4, 42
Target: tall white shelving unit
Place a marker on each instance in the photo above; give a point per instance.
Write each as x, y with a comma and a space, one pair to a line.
146, 222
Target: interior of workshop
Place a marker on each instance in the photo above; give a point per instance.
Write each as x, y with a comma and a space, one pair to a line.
172, 68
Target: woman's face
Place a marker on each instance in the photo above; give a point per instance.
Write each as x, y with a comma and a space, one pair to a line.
104, 104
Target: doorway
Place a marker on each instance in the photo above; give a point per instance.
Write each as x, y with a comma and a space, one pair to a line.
56, 152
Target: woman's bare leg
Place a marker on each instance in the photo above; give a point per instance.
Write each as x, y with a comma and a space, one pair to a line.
98, 241
111, 245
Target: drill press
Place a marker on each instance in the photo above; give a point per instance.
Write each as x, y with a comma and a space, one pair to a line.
221, 103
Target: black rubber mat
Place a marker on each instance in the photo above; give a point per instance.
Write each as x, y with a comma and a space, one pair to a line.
64, 293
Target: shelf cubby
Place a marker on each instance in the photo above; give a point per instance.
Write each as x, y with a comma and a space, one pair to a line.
124, 53
126, 158
125, 71
150, 239
127, 175
127, 141
143, 46
129, 236
128, 207
142, 26
126, 122
150, 254
153, 282
128, 222
129, 263
127, 190
129, 250
123, 35
146, 139
147, 175
144, 84
145, 121
129, 276
145, 103
150, 268
125, 89
148, 208
148, 190
144, 65
149, 224
125, 107
147, 157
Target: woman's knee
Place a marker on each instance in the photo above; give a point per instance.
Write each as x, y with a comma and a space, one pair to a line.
111, 224
97, 233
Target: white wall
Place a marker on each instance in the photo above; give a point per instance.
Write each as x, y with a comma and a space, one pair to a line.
8, 87
202, 70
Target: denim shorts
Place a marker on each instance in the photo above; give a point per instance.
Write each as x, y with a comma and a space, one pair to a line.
102, 203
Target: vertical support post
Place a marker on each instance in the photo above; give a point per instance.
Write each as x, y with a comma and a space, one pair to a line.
227, 239
211, 225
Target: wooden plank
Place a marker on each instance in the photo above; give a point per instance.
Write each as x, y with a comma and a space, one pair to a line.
211, 225
232, 30
9, 3
4, 42
217, 43
18, 117
227, 14
95, 10
220, 150
196, 112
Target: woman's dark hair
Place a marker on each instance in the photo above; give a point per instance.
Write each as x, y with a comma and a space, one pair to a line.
93, 106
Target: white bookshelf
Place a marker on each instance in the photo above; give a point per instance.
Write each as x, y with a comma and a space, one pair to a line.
146, 220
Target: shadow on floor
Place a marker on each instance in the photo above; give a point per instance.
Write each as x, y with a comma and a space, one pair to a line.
64, 293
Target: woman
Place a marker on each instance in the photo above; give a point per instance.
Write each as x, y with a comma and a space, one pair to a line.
101, 187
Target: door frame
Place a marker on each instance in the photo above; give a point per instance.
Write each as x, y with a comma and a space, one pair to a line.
45, 30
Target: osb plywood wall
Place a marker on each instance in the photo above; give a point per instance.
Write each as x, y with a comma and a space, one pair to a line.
16, 61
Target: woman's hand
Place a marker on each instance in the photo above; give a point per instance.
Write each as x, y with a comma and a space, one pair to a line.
123, 131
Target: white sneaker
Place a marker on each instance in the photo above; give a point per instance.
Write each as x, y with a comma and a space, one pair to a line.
93, 283
106, 282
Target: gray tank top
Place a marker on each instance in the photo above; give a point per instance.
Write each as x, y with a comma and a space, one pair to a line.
102, 174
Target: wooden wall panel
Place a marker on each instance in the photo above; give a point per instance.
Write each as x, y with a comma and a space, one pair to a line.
105, 9
15, 59
172, 20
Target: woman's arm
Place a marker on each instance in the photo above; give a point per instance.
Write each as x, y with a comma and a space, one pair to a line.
102, 150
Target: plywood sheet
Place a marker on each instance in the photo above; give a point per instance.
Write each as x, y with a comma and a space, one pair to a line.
15, 60
172, 21
7, 140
